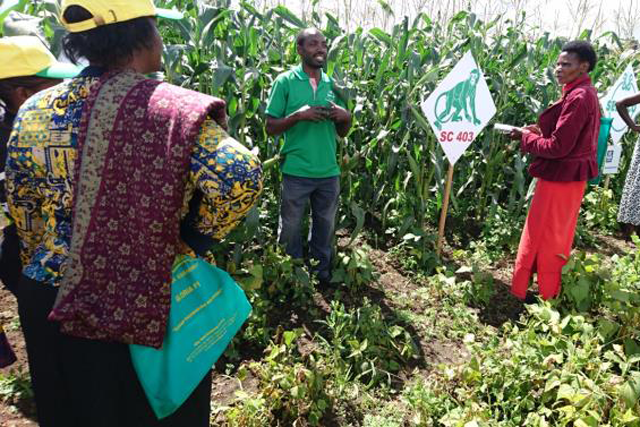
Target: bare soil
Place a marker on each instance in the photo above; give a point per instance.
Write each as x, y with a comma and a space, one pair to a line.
13, 412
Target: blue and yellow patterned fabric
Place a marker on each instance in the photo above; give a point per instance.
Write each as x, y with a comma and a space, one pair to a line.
40, 165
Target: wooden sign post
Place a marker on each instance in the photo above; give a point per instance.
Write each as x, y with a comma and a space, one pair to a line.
445, 208
458, 110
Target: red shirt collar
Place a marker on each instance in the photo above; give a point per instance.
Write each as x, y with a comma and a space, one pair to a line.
577, 82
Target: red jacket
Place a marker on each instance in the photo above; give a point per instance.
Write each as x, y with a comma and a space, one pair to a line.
567, 149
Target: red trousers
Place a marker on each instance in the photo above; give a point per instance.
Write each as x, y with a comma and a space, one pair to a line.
547, 237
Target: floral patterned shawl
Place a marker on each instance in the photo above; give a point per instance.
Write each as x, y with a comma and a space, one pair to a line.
134, 146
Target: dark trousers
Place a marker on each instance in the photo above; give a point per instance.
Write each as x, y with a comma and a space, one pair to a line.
10, 264
323, 194
89, 383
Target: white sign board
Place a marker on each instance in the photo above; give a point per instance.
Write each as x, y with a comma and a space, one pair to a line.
625, 86
460, 107
612, 159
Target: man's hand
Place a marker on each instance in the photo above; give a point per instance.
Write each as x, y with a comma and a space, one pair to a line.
277, 126
339, 114
312, 114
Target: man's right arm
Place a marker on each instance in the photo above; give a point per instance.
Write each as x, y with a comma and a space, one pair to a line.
277, 126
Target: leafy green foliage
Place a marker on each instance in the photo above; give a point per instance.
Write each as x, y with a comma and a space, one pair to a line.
599, 211
353, 268
582, 282
362, 345
275, 283
15, 387
292, 388
574, 361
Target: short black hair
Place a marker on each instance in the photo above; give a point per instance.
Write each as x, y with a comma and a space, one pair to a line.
107, 44
583, 50
302, 35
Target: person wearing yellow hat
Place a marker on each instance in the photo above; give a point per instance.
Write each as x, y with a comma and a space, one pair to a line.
104, 172
26, 67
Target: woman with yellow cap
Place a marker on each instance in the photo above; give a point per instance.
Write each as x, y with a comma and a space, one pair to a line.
26, 67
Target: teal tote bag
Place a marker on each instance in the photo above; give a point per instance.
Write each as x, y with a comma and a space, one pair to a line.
603, 136
207, 310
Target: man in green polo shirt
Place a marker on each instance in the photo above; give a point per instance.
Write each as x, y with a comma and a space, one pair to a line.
304, 107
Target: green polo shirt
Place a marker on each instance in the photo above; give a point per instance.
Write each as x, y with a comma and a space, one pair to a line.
309, 149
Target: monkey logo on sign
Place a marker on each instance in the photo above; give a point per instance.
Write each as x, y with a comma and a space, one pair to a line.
460, 107
461, 98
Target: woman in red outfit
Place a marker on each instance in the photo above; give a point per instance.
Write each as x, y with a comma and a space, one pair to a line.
564, 144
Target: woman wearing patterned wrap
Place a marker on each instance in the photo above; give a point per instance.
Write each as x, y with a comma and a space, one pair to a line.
100, 170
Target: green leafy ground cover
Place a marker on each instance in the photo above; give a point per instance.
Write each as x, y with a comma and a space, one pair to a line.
428, 353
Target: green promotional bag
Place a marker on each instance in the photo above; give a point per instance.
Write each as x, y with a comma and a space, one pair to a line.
207, 310
603, 136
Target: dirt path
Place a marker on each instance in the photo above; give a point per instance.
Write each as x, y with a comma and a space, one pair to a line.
393, 282
15, 411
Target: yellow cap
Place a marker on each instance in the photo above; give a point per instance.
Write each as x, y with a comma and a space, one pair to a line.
107, 12
22, 56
